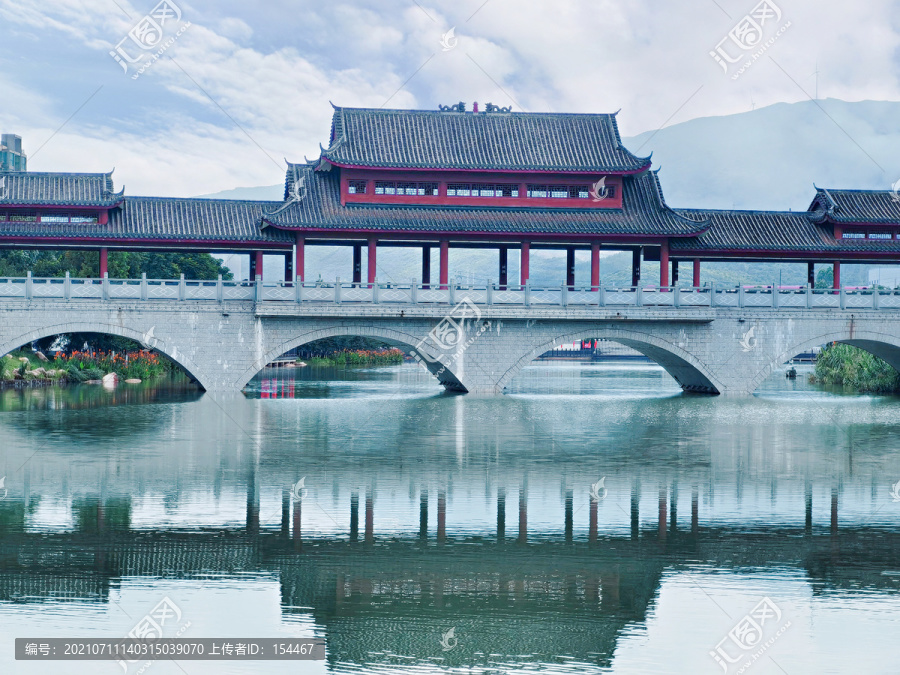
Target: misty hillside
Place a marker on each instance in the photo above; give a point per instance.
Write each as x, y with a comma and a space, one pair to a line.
770, 158
765, 159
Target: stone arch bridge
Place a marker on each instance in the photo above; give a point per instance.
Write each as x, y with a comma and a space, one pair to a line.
711, 341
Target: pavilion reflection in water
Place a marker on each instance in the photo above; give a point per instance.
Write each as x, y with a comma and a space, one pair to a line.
507, 590
397, 540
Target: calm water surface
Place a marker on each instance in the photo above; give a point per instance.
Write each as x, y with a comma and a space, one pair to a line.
722, 528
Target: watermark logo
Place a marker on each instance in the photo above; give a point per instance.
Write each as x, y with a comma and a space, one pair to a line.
748, 339
748, 634
895, 191
149, 34
747, 35
599, 191
895, 490
448, 640
298, 490
448, 338
449, 40
6, 491
152, 627
598, 490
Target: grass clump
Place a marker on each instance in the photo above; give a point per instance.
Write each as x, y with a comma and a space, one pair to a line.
854, 368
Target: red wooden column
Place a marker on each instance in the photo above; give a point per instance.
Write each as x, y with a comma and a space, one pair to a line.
445, 264
426, 267
811, 273
503, 276
664, 264
837, 275
524, 262
104, 262
357, 263
288, 269
696, 281
373, 248
595, 267
636, 267
570, 266
258, 271
301, 257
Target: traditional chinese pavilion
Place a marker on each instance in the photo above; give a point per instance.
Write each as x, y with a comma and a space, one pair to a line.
454, 178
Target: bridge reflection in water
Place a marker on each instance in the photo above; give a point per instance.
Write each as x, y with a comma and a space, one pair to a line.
395, 538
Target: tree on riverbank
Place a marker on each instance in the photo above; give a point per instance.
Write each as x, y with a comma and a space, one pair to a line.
359, 357
844, 365
122, 264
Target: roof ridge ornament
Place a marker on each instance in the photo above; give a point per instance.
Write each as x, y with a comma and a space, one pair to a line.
491, 108
294, 195
456, 107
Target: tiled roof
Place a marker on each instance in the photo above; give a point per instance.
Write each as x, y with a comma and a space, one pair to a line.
209, 219
424, 139
857, 206
795, 231
20, 188
319, 206
163, 218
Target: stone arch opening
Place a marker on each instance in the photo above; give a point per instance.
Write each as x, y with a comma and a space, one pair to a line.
149, 340
407, 342
686, 369
883, 345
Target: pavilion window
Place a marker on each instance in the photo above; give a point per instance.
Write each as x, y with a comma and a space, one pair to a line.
880, 235
854, 235
565, 191
23, 217
83, 219
356, 187
386, 187
54, 219
459, 190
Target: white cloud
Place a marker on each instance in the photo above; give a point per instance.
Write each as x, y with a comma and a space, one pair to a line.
166, 136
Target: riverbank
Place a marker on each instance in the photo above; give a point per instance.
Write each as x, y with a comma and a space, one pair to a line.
843, 365
358, 357
28, 368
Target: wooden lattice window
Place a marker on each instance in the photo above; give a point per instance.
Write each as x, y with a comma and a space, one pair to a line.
356, 187
387, 187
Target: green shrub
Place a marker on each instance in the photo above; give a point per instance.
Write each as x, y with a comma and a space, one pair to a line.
844, 365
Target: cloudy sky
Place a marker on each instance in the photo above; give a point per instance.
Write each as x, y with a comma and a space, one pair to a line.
241, 86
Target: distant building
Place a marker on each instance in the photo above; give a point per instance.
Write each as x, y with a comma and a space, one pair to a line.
11, 156
888, 277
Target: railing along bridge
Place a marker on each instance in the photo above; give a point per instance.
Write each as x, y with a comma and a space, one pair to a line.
338, 292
